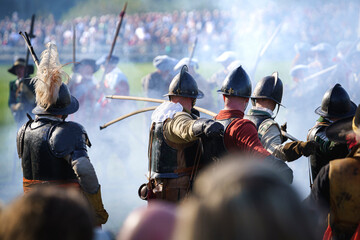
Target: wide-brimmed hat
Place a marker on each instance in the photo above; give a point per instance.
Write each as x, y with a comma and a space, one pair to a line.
86, 62
65, 104
164, 63
340, 130
52, 95
21, 62
227, 56
102, 60
185, 61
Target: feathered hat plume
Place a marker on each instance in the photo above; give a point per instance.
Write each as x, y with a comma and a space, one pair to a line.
49, 77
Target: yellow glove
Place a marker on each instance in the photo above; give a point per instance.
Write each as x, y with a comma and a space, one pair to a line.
95, 201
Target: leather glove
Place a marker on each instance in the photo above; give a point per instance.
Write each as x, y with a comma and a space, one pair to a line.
296, 149
208, 128
95, 201
284, 128
309, 148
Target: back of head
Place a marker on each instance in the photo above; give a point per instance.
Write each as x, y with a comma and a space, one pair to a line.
47, 213
242, 200
270, 87
336, 103
153, 222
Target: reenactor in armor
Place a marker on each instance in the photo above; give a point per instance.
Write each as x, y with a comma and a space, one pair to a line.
83, 87
52, 150
324, 54
115, 83
266, 96
208, 101
21, 91
240, 134
175, 150
226, 58
335, 105
336, 189
156, 84
303, 54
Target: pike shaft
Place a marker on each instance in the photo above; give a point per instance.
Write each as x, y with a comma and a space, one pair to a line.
203, 110
28, 44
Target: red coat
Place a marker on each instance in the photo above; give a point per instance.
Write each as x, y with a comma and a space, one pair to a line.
241, 134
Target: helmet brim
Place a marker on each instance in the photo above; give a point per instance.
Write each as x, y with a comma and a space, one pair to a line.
351, 113
198, 96
263, 97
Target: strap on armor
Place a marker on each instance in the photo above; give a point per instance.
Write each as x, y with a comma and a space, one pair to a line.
21, 135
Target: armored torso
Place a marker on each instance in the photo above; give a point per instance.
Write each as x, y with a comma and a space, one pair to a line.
169, 160
328, 150
46, 147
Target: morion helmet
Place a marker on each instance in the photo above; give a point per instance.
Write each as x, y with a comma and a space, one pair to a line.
336, 103
237, 83
184, 85
270, 87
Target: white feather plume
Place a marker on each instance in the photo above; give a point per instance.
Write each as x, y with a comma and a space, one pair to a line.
49, 77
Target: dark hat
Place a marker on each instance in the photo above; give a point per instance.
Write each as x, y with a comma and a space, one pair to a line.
184, 85
340, 130
237, 83
269, 87
84, 62
65, 104
164, 63
185, 61
113, 60
21, 62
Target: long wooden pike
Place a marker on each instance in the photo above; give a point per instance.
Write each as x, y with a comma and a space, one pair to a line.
127, 115
264, 48
122, 14
203, 110
192, 50
210, 113
74, 44
30, 47
31, 35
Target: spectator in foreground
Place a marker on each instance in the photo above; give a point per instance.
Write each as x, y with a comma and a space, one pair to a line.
153, 222
242, 200
48, 213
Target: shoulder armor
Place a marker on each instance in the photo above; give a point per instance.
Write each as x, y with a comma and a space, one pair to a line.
66, 137
265, 125
318, 130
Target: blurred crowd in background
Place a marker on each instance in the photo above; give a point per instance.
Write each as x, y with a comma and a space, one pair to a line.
172, 33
